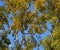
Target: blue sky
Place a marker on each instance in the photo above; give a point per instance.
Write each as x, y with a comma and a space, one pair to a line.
42, 35
1, 3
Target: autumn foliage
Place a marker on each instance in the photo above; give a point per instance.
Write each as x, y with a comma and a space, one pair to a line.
23, 18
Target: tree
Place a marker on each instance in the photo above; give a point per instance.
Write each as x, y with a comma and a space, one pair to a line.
25, 19
53, 41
